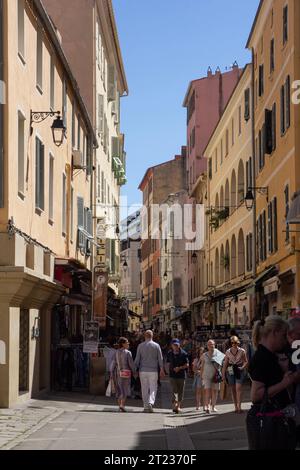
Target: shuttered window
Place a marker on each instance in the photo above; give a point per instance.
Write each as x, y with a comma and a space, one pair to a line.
64, 205
21, 29
21, 153
39, 174
80, 212
39, 60
247, 104
270, 228
274, 127
51, 185
287, 103
287, 208
101, 115
111, 83
264, 235
275, 233
285, 25
72, 216
282, 110
261, 85
272, 56
65, 103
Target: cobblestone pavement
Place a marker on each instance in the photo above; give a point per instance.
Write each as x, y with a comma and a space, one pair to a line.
18, 423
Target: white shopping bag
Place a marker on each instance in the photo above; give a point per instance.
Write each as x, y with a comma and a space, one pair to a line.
108, 390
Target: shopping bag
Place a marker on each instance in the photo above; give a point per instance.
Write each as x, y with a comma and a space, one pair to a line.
223, 390
109, 389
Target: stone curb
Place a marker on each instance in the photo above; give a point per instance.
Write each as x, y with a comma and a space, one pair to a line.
14, 442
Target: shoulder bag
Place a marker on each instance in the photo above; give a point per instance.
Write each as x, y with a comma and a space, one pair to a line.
268, 428
124, 373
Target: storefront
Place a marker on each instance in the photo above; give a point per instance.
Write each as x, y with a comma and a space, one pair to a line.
70, 366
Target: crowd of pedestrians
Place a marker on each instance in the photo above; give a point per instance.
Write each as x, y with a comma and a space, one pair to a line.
135, 369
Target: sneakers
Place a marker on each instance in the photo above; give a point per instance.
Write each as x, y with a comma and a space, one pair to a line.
148, 409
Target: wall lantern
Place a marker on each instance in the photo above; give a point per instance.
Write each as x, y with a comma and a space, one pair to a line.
249, 198
58, 128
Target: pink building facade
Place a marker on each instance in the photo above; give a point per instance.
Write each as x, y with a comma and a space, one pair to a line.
205, 100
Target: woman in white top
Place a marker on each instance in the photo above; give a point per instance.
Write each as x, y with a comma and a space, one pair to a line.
210, 367
234, 371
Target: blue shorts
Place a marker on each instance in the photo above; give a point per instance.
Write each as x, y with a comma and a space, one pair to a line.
232, 379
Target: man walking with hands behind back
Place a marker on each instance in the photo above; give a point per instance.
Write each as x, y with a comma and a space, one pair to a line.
179, 364
148, 360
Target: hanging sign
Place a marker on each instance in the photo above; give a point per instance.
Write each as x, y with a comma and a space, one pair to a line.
91, 337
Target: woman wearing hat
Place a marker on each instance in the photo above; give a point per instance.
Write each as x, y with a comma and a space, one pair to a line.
179, 364
234, 371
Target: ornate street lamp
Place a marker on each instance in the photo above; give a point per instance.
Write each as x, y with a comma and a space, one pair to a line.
249, 198
58, 127
194, 258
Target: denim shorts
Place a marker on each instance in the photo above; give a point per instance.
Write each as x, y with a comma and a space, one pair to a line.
232, 380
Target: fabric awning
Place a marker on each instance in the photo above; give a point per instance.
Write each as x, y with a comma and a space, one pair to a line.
265, 273
293, 216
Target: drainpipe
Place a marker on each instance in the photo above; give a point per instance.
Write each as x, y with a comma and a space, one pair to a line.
1, 109
254, 266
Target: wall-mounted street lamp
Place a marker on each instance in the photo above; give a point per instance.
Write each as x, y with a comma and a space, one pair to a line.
58, 127
249, 198
125, 265
194, 258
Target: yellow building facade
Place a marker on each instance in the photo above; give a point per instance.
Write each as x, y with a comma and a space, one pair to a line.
229, 231
274, 42
46, 202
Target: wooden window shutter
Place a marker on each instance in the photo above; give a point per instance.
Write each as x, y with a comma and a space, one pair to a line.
89, 222
282, 110
288, 102
270, 228
115, 145
268, 131
39, 174
111, 84
100, 114
264, 236
80, 212
274, 127
247, 104
275, 234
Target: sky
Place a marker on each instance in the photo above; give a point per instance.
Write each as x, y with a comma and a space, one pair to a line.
165, 44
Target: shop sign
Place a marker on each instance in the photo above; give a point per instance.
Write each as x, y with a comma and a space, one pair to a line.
203, 328
100, 296
91, 337
222, 327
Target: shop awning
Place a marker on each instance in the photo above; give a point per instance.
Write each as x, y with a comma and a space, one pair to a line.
293, 216
264, 274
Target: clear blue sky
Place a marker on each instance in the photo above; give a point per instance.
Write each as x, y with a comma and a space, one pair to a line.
165, 44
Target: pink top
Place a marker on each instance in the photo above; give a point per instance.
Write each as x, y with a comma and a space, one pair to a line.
239, 357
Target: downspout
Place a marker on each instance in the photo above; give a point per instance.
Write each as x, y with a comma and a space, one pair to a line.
1, 108
254, 266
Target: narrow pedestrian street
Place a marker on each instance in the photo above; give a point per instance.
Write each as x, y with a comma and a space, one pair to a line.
76, 422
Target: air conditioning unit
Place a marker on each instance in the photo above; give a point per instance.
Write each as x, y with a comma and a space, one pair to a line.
78, 159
